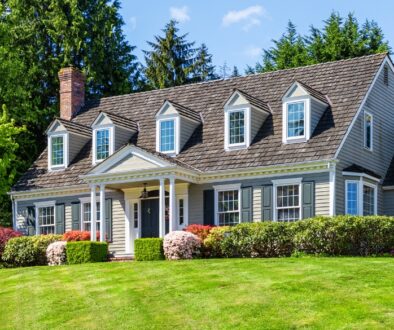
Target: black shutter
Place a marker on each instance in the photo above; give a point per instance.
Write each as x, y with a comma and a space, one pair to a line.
308, 199
76, 216
266, 203
209, 207
108, 219
246, 204
31, 221
60, 218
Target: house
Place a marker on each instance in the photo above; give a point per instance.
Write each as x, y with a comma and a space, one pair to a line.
281, 146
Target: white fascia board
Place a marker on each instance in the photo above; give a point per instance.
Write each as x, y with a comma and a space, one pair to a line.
101, 114
349, 129
50, 128
361, 175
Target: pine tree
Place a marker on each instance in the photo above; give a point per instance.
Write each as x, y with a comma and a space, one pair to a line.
171, 62
203, 68
235, 72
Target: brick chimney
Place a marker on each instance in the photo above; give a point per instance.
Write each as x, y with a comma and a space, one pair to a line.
72, 92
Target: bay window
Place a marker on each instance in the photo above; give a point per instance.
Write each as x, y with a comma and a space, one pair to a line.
361, 198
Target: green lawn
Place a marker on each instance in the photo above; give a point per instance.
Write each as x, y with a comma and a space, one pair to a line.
288, 293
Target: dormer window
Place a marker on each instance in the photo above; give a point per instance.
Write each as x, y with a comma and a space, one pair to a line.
240, 112
57, 151
175, 124
302, 109
102, 143
167, 136
296, 120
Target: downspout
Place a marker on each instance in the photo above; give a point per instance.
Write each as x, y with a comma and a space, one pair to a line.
332, 174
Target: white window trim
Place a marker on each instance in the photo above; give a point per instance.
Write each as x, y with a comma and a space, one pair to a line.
286, 182
177, 133
227, 187
360, 195
366, 113
247, 130
40, 205
307, 119
88, 200
65, 137
185, 211
111, 129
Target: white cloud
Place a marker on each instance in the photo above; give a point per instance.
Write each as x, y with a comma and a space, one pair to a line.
180, 14
249, 17
252, 51
133, 22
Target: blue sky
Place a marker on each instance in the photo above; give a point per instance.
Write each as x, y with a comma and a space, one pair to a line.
236, 31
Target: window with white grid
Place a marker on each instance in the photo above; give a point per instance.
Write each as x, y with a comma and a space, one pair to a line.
167, 135
288, 202
181, 211
368, 200
228, 207
46, 220
295, 119
237, 127
86, 216
57, 150
102, 144
135, 215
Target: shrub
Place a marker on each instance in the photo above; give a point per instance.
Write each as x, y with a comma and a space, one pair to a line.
41, 243
181, 245
56, 253
212, 244
5, 235
19, 252
76, 235
86, 251
201, 231
147, 249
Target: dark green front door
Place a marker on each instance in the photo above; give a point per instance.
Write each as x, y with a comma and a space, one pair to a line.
150, 217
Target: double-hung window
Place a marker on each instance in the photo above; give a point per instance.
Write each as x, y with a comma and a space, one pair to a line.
236, 127
167, 135
102, 144
227, 205
295, 120
46, 219
87, 219
368, 131
288, 203
361, 198
57, 147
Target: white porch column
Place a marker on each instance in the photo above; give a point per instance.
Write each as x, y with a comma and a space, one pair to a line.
162, 208
172, 213
102, 213
93, 213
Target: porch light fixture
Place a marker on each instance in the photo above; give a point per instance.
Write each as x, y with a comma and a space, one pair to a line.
144, 193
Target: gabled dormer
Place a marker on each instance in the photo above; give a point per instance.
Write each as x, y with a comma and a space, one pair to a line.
303, 107
175, 125
110, 132
65, 140
243, 117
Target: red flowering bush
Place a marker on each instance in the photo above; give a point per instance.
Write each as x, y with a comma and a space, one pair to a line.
201, 231
5, 235
78, 235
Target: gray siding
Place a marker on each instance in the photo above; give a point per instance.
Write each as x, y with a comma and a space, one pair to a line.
317, 110
257, 119
122, 136
380, 104
187, 128
76, 143
118, 216
321, 195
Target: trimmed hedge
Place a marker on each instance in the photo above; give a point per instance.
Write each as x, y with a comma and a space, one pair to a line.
81, 252
341, 235
147, 249
28, 250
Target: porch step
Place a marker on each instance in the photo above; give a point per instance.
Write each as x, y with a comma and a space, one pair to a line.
121, 258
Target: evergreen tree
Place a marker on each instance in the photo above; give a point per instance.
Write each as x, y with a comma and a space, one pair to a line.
203, 68
37, 38
171, 62
339, 39
235, 72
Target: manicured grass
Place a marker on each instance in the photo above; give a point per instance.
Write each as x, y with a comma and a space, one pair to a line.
288, 293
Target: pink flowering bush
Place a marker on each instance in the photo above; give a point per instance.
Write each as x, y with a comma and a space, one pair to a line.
56, 253
181, 245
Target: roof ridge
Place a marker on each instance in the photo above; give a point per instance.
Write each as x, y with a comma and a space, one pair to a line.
245, 76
